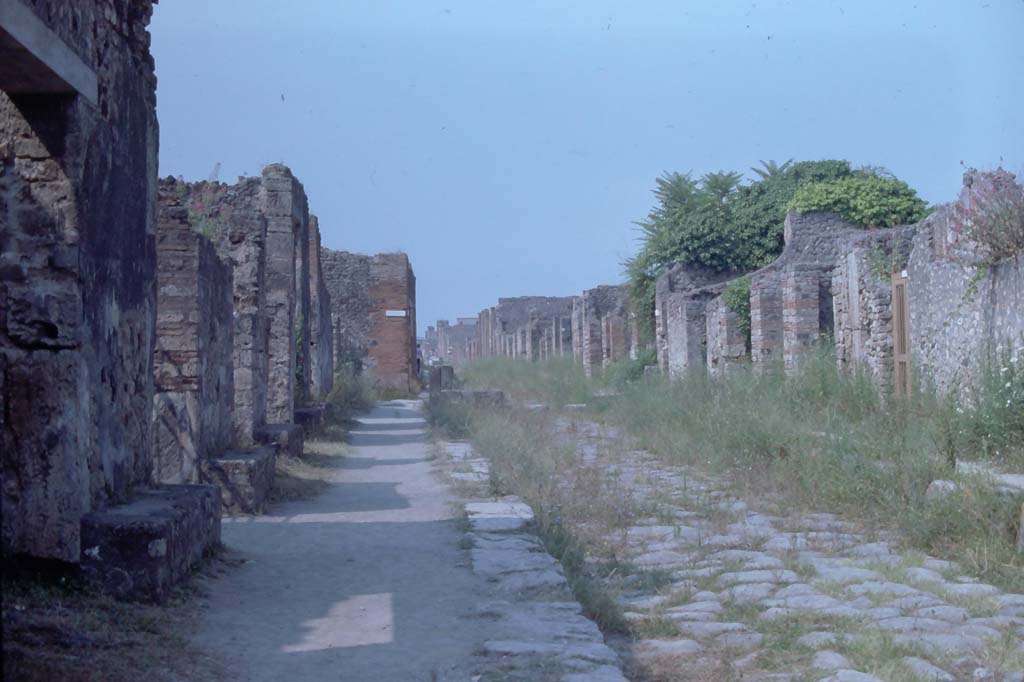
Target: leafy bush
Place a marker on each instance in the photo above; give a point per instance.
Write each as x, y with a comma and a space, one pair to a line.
628, 371
864, 199
736, 297
351, 394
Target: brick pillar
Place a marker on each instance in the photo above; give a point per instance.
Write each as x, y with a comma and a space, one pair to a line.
766, 319
800, 314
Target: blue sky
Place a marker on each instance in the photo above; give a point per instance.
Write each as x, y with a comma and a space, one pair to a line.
508, 146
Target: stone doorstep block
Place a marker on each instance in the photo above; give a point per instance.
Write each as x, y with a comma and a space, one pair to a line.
287, 437
140, 550
311, 419
245, 478
481, 397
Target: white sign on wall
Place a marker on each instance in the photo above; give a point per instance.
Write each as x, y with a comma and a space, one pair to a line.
394, 313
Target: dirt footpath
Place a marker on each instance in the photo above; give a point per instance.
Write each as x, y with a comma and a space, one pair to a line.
365, 582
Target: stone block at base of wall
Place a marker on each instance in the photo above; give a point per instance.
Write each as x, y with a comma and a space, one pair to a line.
289, 438
245, 478
140, 550
480, 397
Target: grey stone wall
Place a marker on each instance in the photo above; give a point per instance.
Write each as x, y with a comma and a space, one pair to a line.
960, 306
77, 282
960, 309
347, 276
194, 344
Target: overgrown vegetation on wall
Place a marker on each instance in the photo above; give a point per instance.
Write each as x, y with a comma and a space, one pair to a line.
863, 199
736, 296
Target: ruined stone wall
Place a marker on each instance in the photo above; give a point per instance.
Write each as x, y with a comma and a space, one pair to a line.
347, 276
194, 346
321, 336
518, 323
595, 305
455, 342
232, 215
791, 299
363, 289
725, 338
77, 289
862, 304
680, 280
960, 308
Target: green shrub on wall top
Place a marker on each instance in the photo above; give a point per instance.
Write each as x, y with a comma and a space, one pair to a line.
864, 199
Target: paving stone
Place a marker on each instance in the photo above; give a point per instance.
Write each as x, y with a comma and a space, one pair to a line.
883, 588
796, 590
760, 576
748, 593
470, 477
489, 561
498, 516
940, 642
663, 533
645, 603
908, 624
917, 601
982, 631
923, 575
804, 601
926, 671
659, 648
881, 612
816, 640
710, 606
829, 660
845, 575
701, 630
853, 676
661, 559
971, 590
704, 595
1009, 599
946, 612
871, 549
743, 641
594, 652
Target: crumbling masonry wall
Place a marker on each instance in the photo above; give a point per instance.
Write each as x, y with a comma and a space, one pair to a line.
680, 327
77, 280
791, 300
232, 216
373, 301
194, 346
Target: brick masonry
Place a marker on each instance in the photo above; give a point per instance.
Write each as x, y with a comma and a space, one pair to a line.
373, 302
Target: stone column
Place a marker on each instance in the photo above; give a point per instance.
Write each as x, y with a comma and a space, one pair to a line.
284, 232
686, 331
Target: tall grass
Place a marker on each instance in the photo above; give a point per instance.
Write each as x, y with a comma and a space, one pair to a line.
823, 440
557, 381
